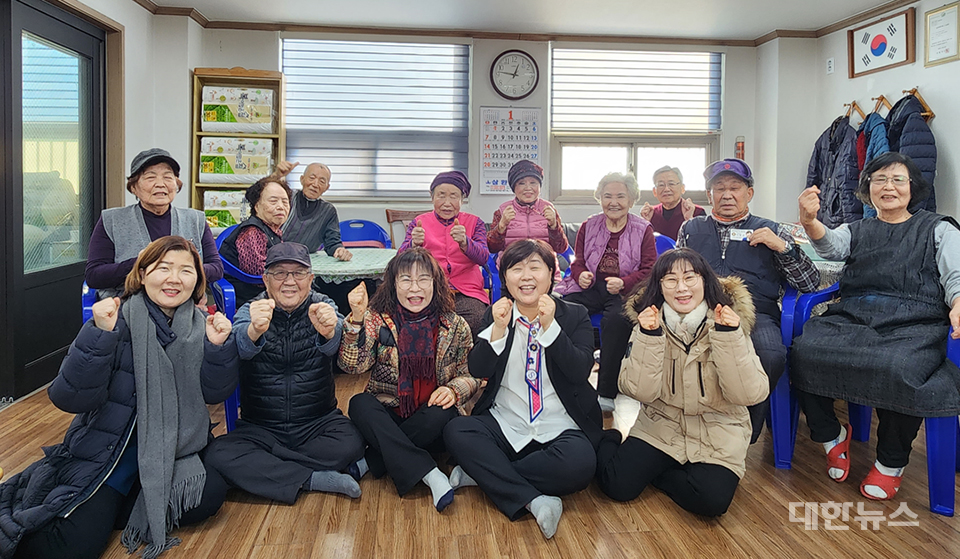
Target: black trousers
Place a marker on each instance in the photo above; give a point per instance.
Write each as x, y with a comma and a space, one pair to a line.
614, 333
275, 464
768, 343
895, 431
397, 446
471, 310
625, 470
86, 532
512, 479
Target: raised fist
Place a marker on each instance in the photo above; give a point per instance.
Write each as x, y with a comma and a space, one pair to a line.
261, 313
324, 319
649, 318
218, 328
105, 313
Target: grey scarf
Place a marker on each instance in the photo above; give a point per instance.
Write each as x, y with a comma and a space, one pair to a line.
172, 421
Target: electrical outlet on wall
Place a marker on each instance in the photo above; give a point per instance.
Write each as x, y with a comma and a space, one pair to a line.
829, 65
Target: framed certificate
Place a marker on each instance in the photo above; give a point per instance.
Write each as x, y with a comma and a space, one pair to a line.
884, 44
940, 40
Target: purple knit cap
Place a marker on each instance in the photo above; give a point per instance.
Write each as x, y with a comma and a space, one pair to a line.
522, 169
456, 178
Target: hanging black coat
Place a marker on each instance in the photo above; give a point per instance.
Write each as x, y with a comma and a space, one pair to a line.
910, 135
833, 168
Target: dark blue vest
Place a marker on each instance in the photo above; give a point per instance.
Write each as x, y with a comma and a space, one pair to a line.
756, 266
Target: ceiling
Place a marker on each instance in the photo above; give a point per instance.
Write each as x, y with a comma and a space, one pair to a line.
682, 19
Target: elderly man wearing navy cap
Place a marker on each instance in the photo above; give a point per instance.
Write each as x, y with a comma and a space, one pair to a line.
291, 436
757, 250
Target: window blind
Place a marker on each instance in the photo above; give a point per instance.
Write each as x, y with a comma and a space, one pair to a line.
385, 117
612, 91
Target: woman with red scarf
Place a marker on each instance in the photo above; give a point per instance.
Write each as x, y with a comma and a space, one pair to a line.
415, 347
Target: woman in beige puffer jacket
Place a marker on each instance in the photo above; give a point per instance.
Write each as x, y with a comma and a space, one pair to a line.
691, 363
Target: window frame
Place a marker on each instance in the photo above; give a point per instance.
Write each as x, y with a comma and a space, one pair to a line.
710, 141
373, 194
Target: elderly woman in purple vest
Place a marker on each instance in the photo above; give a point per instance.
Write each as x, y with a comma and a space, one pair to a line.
122, 233
615, 251
458, 241
527, 216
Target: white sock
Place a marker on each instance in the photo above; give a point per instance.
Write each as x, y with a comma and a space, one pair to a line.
836, 473
459, 478
547, 511
440, 488
874, 490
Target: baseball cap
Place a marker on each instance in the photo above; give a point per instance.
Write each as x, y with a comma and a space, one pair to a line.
735, 166
288, 252
153, 156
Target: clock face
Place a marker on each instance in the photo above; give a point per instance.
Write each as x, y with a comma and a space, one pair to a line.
514, 74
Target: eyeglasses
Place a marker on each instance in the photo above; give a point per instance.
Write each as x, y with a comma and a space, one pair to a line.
282, 275
881, 180
671, 282
406, 282
671, 184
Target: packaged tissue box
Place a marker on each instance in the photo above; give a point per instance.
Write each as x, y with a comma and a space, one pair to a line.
236, 109
235, 160
224, 208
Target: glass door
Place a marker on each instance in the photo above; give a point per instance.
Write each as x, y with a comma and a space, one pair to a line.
57, 187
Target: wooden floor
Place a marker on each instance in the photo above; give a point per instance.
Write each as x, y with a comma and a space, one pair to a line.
380, 524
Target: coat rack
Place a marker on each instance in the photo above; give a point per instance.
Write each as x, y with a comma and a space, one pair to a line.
854, 106
927, 113
881, 102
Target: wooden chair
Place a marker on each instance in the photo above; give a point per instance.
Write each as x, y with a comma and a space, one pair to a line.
403, 217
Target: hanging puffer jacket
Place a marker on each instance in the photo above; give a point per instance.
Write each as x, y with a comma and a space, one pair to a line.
833, 168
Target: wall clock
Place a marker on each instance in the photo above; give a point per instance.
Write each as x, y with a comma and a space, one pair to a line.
887, 43
514, 74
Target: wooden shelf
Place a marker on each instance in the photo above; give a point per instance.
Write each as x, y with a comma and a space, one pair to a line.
237, 135
233, 77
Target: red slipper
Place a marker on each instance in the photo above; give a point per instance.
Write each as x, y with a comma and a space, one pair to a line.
889, 484
834, 459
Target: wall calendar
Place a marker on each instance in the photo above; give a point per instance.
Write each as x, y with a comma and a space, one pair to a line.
507, 136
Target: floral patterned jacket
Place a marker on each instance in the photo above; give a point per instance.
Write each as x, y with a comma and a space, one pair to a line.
373, 347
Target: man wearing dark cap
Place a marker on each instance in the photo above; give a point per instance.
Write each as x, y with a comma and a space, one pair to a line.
291, 437
757, 250
527, 216
121, 233
458, 241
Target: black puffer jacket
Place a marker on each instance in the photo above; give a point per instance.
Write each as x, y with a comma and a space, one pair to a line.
833, 168
290, 381
96, 382
910, 135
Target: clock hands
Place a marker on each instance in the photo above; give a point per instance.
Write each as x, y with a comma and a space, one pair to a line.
515, 70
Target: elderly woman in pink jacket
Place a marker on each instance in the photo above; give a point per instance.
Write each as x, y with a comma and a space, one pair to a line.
458, 241
527, 216
615, 251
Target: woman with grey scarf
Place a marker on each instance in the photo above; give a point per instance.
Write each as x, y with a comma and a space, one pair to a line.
138, 377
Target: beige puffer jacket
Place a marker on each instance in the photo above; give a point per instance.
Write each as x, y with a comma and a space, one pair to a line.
695, 401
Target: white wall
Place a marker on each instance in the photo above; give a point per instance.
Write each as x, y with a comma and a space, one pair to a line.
786, 71
138, 73
937, 84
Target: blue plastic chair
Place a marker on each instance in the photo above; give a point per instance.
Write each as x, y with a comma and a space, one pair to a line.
664, 243
88, 296
491, 278
942, 433
229, 268
363, 233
